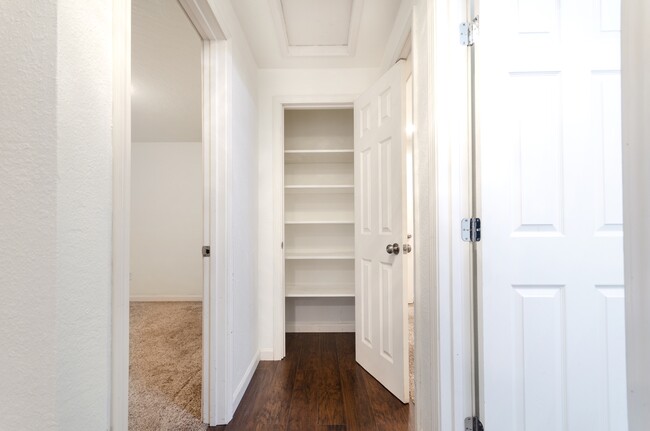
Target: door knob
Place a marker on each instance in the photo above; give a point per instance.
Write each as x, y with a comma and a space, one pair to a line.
407, 248
392, 248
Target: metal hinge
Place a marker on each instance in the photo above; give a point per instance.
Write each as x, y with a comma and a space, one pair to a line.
470, 229
473, 424
206, 251
468, 31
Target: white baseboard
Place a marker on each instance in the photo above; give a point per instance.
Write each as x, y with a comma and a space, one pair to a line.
243, 384
319, 327
166, 298
266, 354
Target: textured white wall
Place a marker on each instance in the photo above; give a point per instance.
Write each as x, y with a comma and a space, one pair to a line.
288, 82
84, 195
166, 221
28, 169
55, 164
636, 204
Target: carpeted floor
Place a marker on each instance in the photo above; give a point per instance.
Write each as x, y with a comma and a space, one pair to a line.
165, 368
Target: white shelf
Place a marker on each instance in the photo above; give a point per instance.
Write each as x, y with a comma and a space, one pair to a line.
319, 291
308, 189
318, 156
318, 255
292, 222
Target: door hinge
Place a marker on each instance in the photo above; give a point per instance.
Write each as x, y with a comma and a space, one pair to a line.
473, 424
470, 229
206, 251
468, 32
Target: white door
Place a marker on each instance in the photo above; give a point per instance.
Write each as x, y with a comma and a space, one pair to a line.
381, 317
551, 254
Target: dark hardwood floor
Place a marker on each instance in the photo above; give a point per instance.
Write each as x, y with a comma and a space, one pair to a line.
318, 386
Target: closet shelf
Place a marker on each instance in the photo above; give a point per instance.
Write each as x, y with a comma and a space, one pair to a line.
318, 255
319, 291
318, 156
334, 188
288, 222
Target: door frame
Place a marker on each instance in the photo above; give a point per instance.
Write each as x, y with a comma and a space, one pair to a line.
216, 140
442, 190
280, 104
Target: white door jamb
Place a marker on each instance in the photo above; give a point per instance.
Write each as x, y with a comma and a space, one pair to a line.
216, 84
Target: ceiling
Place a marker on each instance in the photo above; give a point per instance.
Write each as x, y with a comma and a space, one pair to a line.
317, 33
165, 74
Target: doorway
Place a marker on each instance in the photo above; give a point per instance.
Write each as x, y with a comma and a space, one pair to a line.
166, 275
215, 107
323, 223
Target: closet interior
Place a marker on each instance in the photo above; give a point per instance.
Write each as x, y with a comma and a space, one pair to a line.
319, 220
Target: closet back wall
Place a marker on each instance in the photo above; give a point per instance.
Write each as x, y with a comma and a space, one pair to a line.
166, 171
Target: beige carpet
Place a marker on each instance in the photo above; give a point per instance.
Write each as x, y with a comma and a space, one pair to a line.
165, 368
412, 352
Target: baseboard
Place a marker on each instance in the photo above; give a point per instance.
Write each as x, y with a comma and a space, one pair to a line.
319, 327
166, 298
243, 384
266, 354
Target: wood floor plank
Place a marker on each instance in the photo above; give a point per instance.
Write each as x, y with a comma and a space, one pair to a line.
254, 397
345, 351
276, 410
330, 396
389, 412
356, 402
303, 412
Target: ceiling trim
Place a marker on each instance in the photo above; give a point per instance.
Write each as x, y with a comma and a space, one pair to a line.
317, 50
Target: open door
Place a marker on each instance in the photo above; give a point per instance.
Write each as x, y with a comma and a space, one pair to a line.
381, 316
553, 335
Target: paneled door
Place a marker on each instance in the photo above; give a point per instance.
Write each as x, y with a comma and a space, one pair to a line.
381, 316
549, 181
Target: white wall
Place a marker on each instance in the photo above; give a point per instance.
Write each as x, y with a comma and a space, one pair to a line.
166, 221
288, 82
165, 73
28, 166
55, 225
636, 205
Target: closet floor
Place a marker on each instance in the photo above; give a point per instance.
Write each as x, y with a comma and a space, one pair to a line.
317, 387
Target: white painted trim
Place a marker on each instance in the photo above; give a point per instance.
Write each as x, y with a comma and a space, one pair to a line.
206, 161
320, 326
119, 401
280, 103
166, 298
441, 171
204, 19
452, 146
399, 35
266, 354
635, 69
217, 307
243, 384
288, 50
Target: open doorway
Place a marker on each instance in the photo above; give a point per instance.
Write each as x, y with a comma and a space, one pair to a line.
345, 303
166, 274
